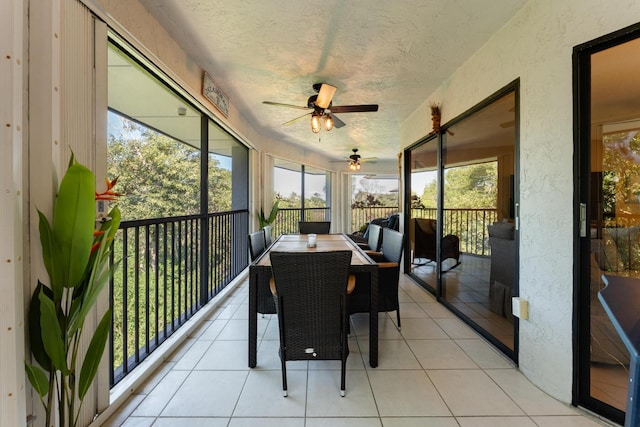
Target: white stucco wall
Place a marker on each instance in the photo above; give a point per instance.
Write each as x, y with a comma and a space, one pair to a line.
536, 46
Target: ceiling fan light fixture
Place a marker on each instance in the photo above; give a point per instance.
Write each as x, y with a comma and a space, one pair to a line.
354, 165
328, 122
315, 123
325, 94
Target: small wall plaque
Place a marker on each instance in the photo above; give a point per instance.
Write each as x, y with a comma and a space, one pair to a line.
214, 94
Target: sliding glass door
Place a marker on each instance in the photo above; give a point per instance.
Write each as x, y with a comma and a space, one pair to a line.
608, 99
463, 230
478, 219
422, 184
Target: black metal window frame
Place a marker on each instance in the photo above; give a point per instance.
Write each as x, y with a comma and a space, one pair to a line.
177, 263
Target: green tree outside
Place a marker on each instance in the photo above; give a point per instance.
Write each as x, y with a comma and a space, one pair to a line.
466, 187
160, 176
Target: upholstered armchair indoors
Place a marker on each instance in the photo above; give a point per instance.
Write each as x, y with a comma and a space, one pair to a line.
424, 243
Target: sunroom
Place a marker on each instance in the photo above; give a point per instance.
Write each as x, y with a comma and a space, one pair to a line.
537, 135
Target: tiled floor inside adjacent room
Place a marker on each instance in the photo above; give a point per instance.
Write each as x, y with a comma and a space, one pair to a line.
435, 372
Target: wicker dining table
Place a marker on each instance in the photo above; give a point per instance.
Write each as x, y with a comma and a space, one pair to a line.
260, 269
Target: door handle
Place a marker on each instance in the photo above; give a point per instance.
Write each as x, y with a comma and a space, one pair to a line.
583, 220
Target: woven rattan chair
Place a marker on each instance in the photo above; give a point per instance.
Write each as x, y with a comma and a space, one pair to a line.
267, 235
257, 244
388, 277
317, 227
374, 238
266, 304
311, 291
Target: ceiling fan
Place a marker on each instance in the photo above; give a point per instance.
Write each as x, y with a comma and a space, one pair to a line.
322, 108
355, 159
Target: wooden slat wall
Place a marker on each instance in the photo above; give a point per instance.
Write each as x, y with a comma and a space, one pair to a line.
12, 327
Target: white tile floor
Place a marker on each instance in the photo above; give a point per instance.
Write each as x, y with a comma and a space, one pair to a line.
435, 372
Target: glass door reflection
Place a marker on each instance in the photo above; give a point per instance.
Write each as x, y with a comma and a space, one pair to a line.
614, 210
478, 198
424, 207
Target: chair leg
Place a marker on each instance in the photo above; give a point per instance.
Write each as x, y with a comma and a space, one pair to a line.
283, 364
398, 314
284, 378
343, 376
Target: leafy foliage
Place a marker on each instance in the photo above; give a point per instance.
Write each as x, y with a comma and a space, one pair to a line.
161, 178
473, 186
76, 260
162, 175
264, 221
372, 193
620, 185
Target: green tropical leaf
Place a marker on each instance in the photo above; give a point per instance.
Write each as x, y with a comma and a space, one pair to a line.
264, 221
35, 332
274, 212
100, 280
38, 379
94, 353
73, 222
116, 217
52, 334
50, 252
98, 277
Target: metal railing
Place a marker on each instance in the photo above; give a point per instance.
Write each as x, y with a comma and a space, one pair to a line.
470, 225
288, 218
165, 270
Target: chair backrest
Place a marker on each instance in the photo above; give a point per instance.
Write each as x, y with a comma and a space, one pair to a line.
317, 227
311, 290
394, 222
374, 239
392, 245
267, 235
257, 244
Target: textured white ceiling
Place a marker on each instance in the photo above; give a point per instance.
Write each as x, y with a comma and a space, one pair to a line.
393, 53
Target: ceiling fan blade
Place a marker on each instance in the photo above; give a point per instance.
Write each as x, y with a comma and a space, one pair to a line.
279, 104
325, 95
337, 123
354, 108
368, 159
292, 121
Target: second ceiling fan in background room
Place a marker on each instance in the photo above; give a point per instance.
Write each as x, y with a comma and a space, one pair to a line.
322, 109
356, 159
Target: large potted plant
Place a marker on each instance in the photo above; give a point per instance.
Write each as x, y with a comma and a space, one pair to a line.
76, 257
